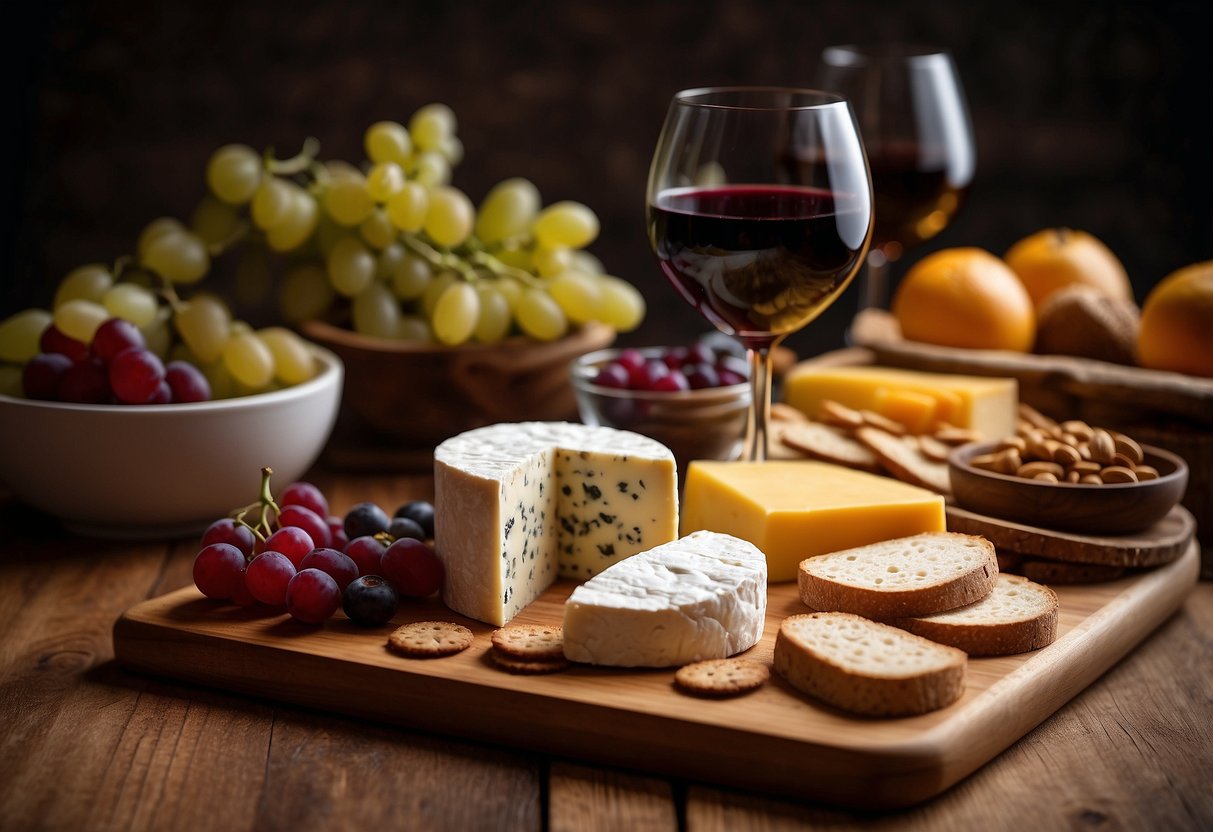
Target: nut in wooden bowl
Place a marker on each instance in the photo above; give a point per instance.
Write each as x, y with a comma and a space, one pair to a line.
1113, 505
402, 398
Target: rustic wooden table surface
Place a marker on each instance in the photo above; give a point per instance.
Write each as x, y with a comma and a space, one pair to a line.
86, 745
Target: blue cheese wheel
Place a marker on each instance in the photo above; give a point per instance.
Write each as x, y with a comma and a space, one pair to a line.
519, 504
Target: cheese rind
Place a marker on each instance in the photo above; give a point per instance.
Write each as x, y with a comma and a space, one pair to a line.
985, 404
700, 597
792, 510
517, 504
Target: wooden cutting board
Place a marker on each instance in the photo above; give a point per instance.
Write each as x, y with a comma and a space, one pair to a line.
773, 740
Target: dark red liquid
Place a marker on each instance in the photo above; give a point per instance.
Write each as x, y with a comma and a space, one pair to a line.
915, 199
758, 262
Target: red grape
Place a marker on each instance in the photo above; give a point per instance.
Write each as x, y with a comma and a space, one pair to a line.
337, 565
314, 524
367, 553
267, 577
53, 340
163, 394
219, 570
43, 374
307, 495
337, 530
700, 353
644, 377
85, 382
675, 357
728, 377
412, 568
672, 382
735, 365
312, 596
115, 335
135, 375
701, 376
631, 359
228, 530
291, 541
187, 382
613, 375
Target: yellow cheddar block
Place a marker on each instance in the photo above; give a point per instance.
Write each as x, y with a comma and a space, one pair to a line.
917, 411
978, 402
792, 510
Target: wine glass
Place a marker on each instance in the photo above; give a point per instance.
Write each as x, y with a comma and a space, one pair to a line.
759, 209
919, 140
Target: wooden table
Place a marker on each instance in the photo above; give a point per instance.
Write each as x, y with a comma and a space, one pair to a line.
85, 744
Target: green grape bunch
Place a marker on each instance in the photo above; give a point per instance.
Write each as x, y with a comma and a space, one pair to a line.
406, 255
389, 246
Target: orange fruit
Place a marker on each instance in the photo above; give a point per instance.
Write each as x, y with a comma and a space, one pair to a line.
1177, 322
1056, 257
965, 297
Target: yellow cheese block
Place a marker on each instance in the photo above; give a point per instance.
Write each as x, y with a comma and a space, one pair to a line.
984, 404
792, 510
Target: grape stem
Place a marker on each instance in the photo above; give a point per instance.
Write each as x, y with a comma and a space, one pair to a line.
481, 262
301, 161
265, 504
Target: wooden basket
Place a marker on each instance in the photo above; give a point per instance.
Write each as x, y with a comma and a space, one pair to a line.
403, 398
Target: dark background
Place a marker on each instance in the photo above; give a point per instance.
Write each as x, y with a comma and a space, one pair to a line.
1096, 116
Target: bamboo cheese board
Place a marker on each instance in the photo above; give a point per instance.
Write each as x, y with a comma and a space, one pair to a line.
773, 740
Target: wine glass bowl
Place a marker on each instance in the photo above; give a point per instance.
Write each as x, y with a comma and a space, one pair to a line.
919, 141
759, 211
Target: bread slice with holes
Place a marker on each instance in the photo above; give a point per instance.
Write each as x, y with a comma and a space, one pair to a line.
866, 667
908, 576
1018, 616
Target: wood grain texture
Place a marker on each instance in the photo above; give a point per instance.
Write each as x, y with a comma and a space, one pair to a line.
773, 739
1162, 543
85, 745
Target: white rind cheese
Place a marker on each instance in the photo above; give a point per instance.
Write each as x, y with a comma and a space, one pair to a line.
518, 504
701, 597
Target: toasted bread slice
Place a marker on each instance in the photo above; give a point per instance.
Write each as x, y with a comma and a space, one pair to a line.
909, 576
830, 444
1018, 616
865, 667
1060, 572
903, 458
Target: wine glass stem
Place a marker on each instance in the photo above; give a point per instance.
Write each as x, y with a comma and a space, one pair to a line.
876, 287
760, 405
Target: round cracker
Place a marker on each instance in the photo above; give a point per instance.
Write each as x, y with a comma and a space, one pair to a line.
528, 666
530, 642
722, 677
430, 639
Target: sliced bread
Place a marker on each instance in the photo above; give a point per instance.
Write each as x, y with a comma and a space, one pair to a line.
1018, 616
865, 667
908, 576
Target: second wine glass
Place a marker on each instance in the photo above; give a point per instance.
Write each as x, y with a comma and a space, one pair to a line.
919, 140
759, 211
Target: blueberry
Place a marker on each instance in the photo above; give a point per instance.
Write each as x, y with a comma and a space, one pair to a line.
405, 527
369, 601
365, 520
421, 513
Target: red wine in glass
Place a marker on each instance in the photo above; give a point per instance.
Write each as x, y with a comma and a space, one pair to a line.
757, 262
915, 197
759, 247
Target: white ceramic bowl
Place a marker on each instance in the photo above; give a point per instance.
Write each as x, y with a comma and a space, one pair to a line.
163, 470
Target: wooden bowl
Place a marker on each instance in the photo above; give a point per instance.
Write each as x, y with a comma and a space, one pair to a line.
1090, 509
402, 398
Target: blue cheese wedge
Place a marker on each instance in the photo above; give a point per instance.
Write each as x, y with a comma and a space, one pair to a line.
701, 597
518, 504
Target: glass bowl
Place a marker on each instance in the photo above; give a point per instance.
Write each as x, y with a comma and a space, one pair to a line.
708, 423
